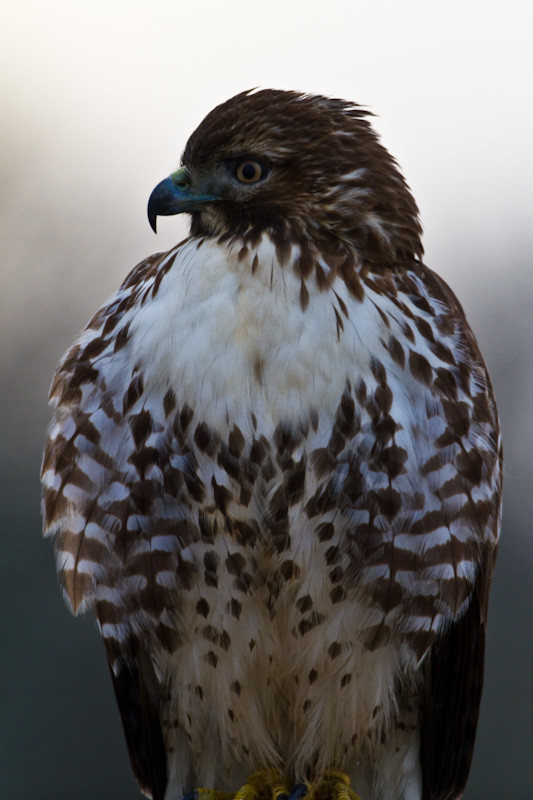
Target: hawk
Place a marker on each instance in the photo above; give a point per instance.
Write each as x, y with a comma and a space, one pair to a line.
274, 473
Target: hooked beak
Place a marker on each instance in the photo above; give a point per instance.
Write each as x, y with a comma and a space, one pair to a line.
175, 195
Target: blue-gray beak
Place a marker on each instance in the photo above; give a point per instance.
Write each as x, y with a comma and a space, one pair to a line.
175, 195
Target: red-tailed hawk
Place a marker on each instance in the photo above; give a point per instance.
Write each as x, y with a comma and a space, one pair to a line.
274, 472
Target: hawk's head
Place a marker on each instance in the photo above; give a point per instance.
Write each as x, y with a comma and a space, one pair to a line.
297, 166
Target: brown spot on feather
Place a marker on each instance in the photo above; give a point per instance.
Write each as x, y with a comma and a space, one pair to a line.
304, 296
420, 368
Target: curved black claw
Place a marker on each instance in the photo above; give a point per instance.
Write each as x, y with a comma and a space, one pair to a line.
298, 792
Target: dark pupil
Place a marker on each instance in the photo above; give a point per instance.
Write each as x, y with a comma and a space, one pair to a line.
249, 172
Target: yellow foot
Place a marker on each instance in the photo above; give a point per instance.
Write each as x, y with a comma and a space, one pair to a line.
207, 794
269, 784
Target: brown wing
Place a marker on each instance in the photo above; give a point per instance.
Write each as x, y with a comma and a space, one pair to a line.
454, 682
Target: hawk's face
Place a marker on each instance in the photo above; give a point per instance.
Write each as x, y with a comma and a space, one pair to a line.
296, 166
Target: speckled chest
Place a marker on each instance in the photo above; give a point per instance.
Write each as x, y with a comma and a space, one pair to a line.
300, 439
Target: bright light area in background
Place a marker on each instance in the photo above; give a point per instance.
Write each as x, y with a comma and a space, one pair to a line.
99, 98
110, 90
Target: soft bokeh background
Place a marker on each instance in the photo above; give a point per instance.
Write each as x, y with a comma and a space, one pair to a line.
97, 100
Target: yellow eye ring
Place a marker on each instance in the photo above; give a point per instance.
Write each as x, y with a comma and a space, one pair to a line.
249, 171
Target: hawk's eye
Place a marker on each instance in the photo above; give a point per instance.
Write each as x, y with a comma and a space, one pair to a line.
250, 171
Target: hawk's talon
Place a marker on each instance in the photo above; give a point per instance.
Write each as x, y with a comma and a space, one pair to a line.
299, 791
335, 785
271, 785
268, 783
278, 786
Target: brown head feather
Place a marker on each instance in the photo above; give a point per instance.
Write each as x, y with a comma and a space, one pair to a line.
330, 176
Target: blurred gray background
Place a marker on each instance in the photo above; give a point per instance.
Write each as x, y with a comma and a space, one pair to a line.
97, 100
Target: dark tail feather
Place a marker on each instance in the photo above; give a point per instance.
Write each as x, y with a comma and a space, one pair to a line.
137, 694
454, 681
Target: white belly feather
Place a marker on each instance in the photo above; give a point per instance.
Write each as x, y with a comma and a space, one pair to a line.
240, 351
